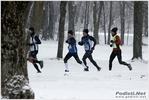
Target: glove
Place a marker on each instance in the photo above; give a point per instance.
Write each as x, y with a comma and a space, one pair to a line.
112, 41
66, 41
92, 48
80, 43
30, 44
111, 45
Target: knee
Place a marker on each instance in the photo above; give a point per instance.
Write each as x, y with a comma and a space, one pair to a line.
30, 59
120, 62
83, 59
65, 61
80, 62
91, 60
110, 60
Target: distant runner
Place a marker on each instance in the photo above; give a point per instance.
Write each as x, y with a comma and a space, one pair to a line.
86, 41
34, 42
116, 44
72, 51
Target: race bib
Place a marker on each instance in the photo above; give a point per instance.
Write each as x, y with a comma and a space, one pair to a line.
69, 47
86, 47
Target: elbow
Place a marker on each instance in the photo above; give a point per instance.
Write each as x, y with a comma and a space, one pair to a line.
38, 43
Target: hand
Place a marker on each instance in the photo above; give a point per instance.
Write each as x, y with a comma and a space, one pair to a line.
66, 41
111, 45
80, 43
112, 41
90, 52
92, 48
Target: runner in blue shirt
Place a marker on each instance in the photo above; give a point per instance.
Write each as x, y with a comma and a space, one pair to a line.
87, 42
72, 51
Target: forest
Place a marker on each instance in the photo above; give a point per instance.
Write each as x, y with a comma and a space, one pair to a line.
51, 20
97, 16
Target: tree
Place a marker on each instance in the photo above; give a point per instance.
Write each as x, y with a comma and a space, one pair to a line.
145, 32
86, 20
104, 22
110, 22
37, 15
138, 28
44, 23
122, 18
71, 11
29, 11
14, 76
61, 29
96, 18
51, 20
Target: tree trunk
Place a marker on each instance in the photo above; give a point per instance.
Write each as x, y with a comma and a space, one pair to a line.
44, 23
61, 29
146, 22
104, 23
138, 28
122, 17
71, 11
29, 11
37, 16
97, 19
51, 20
14, 76
128, 27
110, 22
86, 21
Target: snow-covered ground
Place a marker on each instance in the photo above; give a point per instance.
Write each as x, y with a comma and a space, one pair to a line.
77, 84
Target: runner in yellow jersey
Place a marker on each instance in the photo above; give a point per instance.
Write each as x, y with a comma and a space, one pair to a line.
116, 44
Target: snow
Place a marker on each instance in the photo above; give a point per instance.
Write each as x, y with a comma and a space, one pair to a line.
77, 84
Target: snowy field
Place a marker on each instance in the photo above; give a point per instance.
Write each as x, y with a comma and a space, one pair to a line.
77, 84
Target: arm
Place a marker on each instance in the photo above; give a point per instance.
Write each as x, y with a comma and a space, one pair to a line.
37, 40
81, 42
93, 39
71, 41
118, 41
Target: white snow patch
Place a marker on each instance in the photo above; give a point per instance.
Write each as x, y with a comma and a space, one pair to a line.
77, 84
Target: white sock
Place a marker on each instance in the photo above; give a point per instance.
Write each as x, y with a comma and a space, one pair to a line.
66, 66
83, 65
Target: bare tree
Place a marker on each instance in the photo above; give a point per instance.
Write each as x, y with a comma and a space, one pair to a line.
145, 32
29, 11
110, 22
86, 20
122, 18
96, 17
104, 22
71, 11
14, 79
138, 28
51, 20
61, 29
37, 16
45, 21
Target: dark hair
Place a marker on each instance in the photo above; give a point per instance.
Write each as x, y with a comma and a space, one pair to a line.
86, 31
70, 32
31, 28
114, 29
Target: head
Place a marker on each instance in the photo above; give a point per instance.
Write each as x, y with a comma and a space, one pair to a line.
31, 30
70, 33
85, 32
114, 31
